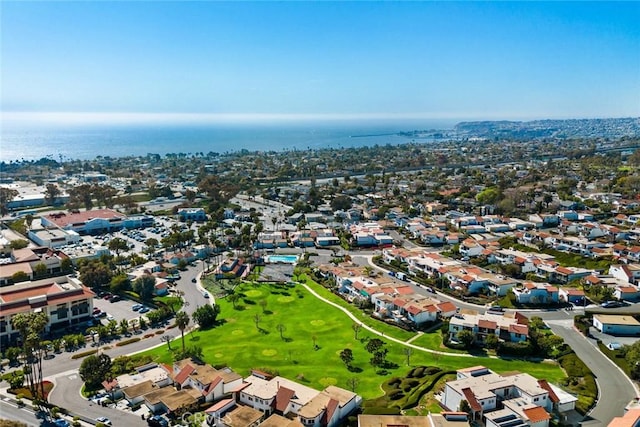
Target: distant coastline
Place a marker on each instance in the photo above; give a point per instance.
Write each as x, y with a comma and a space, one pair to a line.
84, 142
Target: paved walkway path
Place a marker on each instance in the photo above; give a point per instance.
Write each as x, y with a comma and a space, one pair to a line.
381, 334
418, 335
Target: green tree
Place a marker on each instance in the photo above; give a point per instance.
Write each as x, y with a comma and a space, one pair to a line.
95, 274
281, 328
118, 244
346, 356
19, 276
94, 369
466, 337
31, 327
206, 315
12, 353
120, 283
51, 194
182, 321
124, 326
492, 341
6, 196
40, 269
16, 379
145, 286
18, 244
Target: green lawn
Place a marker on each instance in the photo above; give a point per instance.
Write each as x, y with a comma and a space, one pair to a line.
241, 345
433, 341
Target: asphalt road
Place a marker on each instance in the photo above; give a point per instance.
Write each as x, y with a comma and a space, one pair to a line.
615, 389
66, 394
10, 411
62, 369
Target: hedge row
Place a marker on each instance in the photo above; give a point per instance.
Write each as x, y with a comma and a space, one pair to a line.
84, 354
129, 341
580, 381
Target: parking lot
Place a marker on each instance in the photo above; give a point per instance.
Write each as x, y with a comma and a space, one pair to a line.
119, 310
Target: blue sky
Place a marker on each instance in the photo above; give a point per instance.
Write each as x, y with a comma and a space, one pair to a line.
454, 60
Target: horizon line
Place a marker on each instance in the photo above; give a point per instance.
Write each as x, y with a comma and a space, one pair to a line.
70, 117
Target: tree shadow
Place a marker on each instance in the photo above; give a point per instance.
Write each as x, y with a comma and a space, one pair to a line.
287, 339
355, 369
239, 308
249, 301
263, 331
194, 338
267, 312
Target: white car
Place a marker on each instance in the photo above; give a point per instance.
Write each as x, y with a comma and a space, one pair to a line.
110, 317
104, 420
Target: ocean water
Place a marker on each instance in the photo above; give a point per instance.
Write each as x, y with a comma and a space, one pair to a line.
86, 142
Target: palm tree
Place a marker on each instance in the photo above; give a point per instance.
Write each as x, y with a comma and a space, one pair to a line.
182, 320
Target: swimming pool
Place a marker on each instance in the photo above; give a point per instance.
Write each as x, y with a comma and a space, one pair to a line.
284, 259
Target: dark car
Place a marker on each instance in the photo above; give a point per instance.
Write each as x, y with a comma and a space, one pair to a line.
612, 304
115, 298
157, 421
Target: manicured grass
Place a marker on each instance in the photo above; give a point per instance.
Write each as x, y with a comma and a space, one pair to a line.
388, 330
170, 301
241, 345
433, 341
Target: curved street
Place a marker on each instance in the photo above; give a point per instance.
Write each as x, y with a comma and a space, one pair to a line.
615, 389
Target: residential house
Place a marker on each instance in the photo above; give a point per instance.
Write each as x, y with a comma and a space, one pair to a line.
571, 295
213, 384
628, 273
511, 327
293, 400
497, 399
616, 325
536, 293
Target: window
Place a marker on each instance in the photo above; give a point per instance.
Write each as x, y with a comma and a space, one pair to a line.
3, 326
61, 311
535, 399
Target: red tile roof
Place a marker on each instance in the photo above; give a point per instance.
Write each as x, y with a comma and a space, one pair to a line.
537, 414
552, 394
487, 324
283, 397
471, 399
219, 405
184, 374
447, 306
64, 219
519, 329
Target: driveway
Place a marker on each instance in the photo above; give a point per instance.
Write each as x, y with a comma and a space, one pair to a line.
66, 394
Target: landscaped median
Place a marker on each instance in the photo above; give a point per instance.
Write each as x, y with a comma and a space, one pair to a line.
288, 330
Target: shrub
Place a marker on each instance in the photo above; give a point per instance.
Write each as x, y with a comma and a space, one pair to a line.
129, 341
84, 354
381, 411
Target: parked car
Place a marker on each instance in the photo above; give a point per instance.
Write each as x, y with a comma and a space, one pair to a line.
193, 280
144, 310
115, 298
110, 317
136, 307
206, 295
104, 420
612, 304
